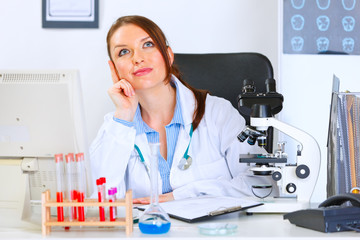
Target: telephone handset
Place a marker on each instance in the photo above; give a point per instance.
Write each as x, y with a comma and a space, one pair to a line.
332, 215
338, 200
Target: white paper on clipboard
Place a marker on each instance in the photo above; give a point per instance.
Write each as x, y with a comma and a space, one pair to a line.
193, 209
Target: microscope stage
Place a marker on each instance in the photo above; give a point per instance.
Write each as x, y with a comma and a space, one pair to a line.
259, 158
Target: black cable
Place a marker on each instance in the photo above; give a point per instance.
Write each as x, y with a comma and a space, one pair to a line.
349, 227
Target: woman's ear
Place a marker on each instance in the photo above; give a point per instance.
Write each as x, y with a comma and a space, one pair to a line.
171, 55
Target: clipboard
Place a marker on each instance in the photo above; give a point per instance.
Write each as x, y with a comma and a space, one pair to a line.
203, 207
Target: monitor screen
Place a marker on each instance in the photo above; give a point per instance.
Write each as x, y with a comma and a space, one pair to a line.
41, 115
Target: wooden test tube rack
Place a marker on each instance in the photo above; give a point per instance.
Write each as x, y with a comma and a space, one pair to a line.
47, 221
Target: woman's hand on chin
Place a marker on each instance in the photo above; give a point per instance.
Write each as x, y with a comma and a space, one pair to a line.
123, 96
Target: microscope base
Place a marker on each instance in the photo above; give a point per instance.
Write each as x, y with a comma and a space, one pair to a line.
278, 205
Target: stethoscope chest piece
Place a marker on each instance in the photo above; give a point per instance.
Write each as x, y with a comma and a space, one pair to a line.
185, 163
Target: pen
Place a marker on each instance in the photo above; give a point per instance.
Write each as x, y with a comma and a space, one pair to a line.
224, 210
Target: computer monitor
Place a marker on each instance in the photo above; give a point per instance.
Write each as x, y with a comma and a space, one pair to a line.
41, 114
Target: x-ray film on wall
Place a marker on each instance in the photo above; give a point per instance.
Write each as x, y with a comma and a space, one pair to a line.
321, 26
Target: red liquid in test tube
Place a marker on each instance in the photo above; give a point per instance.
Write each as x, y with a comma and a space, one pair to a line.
115, 192
71, 184
74, 195
81, 210
101, 198
81, 184
103, 181
59, 185
60, 210
111, 194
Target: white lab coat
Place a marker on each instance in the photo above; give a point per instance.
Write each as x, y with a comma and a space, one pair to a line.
214, 149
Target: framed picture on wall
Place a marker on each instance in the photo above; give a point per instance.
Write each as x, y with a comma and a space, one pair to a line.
321, 27
70, 13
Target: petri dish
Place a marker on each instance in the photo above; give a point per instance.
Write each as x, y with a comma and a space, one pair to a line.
217, 229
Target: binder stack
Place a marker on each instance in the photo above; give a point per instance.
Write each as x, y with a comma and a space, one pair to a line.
344, 144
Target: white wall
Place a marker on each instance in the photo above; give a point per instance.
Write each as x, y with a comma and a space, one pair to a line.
307, 95
201, 26
306, 84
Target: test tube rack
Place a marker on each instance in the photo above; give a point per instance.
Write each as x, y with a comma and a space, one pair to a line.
47, 221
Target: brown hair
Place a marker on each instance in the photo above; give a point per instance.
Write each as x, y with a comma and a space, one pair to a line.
161, 43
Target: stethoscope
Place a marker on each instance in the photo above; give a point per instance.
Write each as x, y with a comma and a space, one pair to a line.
184, 163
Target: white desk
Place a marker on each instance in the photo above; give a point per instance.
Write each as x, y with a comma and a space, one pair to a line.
257, 226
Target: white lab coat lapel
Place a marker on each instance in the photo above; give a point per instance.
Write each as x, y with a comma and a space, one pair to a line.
187, 102
181, 145
142, 142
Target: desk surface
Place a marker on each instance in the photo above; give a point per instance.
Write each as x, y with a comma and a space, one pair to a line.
257, 226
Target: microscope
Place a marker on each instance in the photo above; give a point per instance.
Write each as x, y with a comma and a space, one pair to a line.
294, 182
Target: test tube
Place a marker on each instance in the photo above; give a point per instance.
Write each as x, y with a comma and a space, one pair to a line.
104, 192
59, 185
103, 181
71, 186
101, 198
75, 184
115, 192
112, 208
81, 184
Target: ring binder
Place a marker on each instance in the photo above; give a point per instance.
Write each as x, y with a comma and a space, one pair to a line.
343, 142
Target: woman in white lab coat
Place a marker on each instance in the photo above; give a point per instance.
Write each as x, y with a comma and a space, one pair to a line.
148, 93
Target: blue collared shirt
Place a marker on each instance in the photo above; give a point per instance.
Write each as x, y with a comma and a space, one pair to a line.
172, 133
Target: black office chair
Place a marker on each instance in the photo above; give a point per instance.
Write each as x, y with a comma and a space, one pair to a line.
223, 74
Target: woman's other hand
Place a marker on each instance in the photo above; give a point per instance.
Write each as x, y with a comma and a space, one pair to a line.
123, 96
162, 198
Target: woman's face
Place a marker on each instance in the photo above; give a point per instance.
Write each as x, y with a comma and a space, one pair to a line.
136, 57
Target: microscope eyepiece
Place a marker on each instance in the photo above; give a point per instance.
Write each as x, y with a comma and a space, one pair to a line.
261, 111
270, 85
248, 86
